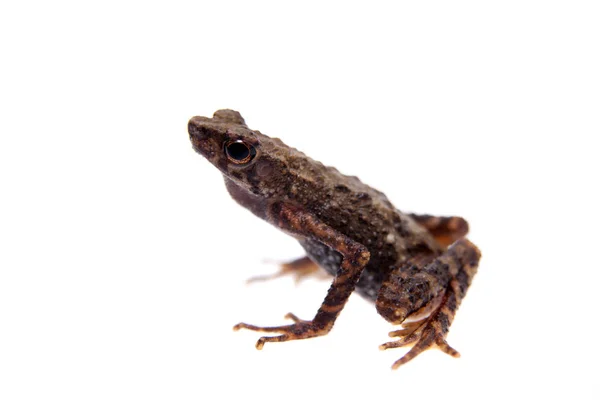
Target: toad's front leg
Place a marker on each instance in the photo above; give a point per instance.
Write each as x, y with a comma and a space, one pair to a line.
355, 257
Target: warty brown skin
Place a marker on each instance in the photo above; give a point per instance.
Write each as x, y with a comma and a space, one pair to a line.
400, 261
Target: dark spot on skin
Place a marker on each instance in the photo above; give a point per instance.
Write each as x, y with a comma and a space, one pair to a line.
342, 188
363, 196
451, 303
419, 248
222, 163
401, 228
362, 220
444, 321
237, 175
463, 282
253, 179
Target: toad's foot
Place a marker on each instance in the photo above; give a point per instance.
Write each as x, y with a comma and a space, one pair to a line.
407, 329
425, 337
420, 290
300, 329
424, 334
300, 270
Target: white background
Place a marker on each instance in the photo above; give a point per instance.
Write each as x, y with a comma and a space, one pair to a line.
123, 260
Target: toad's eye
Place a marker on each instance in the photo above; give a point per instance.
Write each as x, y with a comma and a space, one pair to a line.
239, 152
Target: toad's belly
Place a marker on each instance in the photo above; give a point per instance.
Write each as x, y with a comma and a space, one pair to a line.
370, 281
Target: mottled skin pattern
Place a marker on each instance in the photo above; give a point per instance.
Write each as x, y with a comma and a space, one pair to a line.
402, 262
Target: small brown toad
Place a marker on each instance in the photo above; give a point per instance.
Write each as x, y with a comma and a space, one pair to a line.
416, 268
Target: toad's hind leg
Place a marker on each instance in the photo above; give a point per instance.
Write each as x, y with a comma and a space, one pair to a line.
410, 289
446, 230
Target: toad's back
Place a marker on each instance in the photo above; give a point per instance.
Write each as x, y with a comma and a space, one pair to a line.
358, 211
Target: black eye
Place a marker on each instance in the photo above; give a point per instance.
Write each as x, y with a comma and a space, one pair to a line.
239, 152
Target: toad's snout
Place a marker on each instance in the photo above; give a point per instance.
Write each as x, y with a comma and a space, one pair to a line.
195, 130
